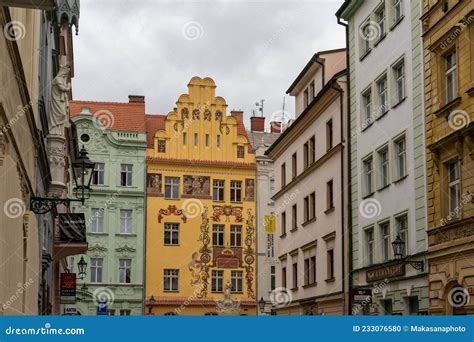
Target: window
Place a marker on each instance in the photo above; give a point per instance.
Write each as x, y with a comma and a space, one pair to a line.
207, 140
330, 194
368, 176
125, 221
384, 167
218, 190
396, 10
97, 267
218, 235
235, 191
171, 280
413, 305
294, 166
240, 151
98, 176
184, 138
402, 231
272, 278
312, 149
294, 212
330, 260
385, 233
125, 270
195, 139
305, 98
125, 312
295, 275
450, 75
283, 175
312, 205
217, 281
310, 270
400, 149
283, 223
387, 306
382, 95
369, 238
218, 141
126, 174
367, 106
380, 19
312, 93
306, 154
365, 37
283, 276
453, 188
111, 312
97, 223
329, 135
306, 209
236, 281
171, 234
399, 81
235, 236
161, 146
171, 187
272, 187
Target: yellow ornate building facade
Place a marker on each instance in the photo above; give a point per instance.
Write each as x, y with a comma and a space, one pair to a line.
448, 36
200, 244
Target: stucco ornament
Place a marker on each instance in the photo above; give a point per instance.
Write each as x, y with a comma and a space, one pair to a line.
228, 306
59, 104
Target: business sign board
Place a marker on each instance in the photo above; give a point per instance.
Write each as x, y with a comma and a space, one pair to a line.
68, 288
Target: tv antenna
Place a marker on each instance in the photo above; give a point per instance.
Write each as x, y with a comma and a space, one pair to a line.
260, 106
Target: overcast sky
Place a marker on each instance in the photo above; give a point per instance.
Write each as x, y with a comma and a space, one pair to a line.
252, 49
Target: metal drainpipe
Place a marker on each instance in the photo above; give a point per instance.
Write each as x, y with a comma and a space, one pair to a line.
349, 194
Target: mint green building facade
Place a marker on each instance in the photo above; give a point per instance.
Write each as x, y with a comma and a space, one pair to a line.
115, 218
387, 198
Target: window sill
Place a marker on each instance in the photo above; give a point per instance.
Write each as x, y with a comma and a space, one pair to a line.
309, 221
282, 236
400, 179
294, 289
381, 115
293, 230
171, 199
236, 202
99, 233
171, 291
307, 286
383, 187
329, 210
368, 195
170, 245
399, 102
237, 292
448, 107
365, 54
382, 37
218, 201
125, 234
368, 122
470, 91
217, 291
395, 24
330, 280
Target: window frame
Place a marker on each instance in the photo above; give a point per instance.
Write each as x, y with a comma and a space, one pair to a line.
236, 191
172, 186
125, 271
172, 228
126, 172
126, 216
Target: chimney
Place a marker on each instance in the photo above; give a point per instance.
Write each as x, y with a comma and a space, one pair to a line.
136, 99
275, 127
238, 115
257, 123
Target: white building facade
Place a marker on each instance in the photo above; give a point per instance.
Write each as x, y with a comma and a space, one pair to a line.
387, 186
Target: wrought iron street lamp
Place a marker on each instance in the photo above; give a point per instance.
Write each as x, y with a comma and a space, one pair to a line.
151, 303
398, 246
82, 170
82, 267
261, 306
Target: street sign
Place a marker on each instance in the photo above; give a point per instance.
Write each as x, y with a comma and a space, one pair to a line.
102, 308
68, 288
71, 310
361, 295
72, 227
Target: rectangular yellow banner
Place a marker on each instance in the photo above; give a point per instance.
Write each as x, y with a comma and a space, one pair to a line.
270, 223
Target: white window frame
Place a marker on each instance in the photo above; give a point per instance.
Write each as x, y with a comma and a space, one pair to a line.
384, 166
126, 221
366, 105
172, 183
403, 231
369, 237
125, 266
97, 270
236, 279
218, 234
169, 276
97, 220
386, 240
235, 235
450, 73
217, 281
173, 231
368, 174
454, 184
235, 191
382, 95
399, 80
99, 174
126, 169
400, 156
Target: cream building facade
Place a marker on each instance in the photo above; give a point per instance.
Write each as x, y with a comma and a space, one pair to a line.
310, 162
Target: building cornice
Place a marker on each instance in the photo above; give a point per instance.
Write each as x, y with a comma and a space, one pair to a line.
188, 162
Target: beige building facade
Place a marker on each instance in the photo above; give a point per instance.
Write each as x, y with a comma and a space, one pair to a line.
310, 171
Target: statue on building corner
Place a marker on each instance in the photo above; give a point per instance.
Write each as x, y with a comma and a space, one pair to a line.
59, 103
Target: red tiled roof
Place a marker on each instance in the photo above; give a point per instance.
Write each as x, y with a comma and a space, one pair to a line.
122, 116
153, 123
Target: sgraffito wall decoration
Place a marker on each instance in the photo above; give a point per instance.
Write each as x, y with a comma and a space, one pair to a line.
171, 210
249, 190
196, 186
227, 257
199, 266
227, 211
153, 184
249, 253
